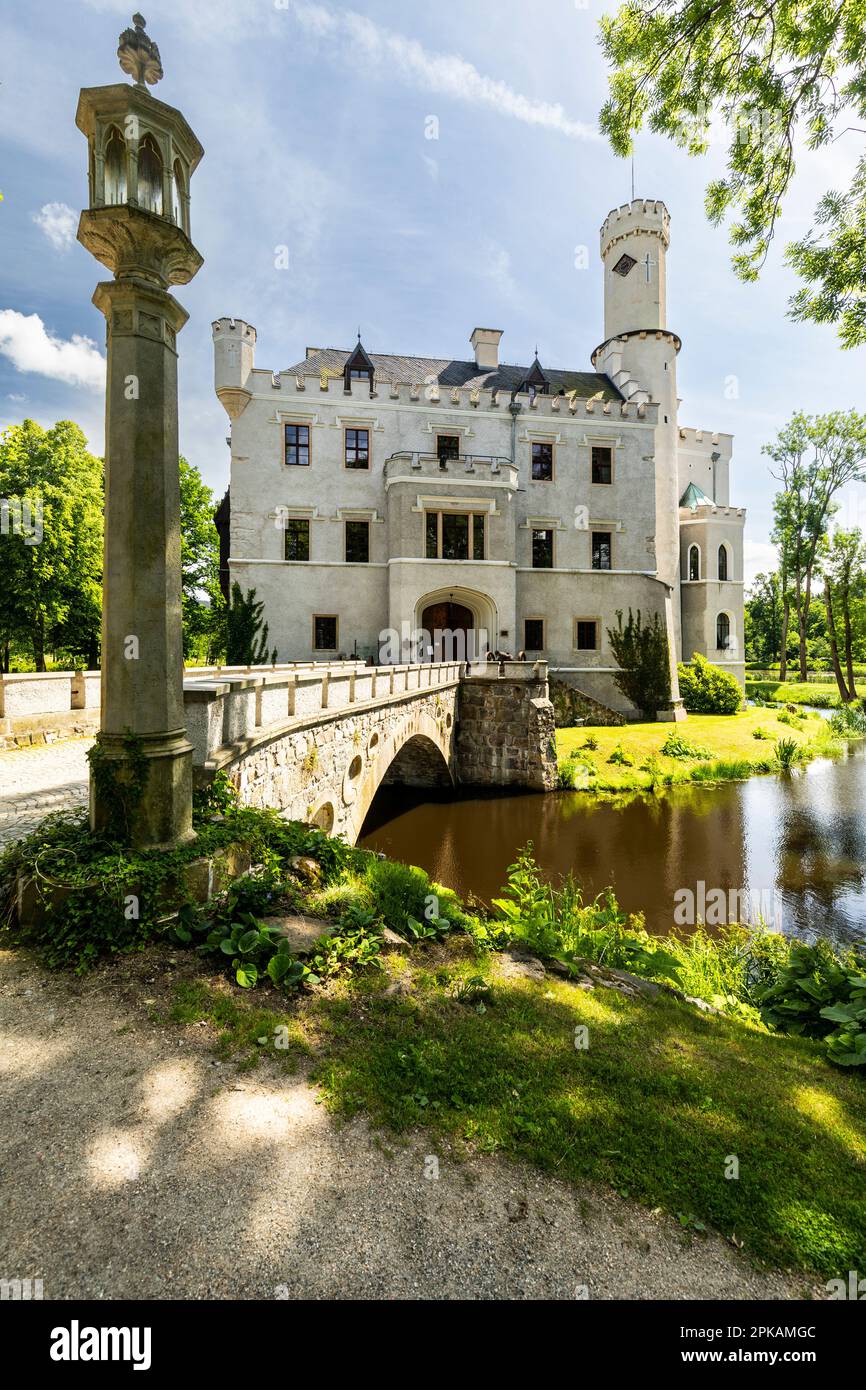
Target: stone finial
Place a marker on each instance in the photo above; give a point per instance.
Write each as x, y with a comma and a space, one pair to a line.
138, 55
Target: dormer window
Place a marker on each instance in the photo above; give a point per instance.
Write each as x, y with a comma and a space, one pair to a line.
535, 381
358, 368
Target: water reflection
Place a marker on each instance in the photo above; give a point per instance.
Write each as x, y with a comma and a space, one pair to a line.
800, 836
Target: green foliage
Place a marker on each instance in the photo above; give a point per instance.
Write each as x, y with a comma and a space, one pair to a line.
789, 753
621, 757
820, 996
848, 721
707, 689
247, 633
760, 733
676, 746
780, 77
400, 892
218, 797
590, 743
50, 591
204, 619
641, 651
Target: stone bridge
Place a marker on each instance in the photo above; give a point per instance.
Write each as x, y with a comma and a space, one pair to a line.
317, 742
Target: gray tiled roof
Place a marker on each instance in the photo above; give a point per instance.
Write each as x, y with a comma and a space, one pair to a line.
452, 373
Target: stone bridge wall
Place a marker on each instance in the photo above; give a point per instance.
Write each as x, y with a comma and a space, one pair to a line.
317, 744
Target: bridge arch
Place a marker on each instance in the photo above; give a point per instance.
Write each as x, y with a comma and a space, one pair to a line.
419, 754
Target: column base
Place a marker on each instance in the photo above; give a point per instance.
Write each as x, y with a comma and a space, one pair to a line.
161, 816
674, 713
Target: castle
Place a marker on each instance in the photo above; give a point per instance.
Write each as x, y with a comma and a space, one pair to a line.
519, 507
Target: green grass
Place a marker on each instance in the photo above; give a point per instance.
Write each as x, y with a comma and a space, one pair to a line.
735, 752
822, 695
654, 1106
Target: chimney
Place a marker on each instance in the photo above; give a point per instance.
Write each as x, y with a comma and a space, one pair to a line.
485, 345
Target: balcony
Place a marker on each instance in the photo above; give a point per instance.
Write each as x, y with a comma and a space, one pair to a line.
484, 468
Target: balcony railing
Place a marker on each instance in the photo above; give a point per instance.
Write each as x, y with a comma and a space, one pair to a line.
420, 462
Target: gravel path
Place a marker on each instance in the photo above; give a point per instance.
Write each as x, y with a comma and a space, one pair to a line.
136, 1166
36, 780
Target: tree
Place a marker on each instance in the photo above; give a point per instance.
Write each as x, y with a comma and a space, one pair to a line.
201, 597
815, 457
247, 642
643, 655
842, 560
51, 547
774, 72
763, 611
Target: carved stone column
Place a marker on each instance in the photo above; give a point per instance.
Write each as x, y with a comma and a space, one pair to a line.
142, 719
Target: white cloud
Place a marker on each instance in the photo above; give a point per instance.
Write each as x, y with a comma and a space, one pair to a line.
447, 74
59, 223
31, 348
17, 399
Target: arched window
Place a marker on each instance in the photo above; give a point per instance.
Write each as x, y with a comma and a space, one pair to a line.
177, 191
115, 168
694, 562
150, 176
723, 562
723, 632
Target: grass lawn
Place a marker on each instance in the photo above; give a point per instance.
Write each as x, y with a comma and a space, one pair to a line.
823, 694
654, 1105
729, 739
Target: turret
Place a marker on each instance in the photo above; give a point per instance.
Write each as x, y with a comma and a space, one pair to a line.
234, 346
639, 352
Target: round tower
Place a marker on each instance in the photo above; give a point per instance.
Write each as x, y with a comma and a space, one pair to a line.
634, 243
639, 353
234, 348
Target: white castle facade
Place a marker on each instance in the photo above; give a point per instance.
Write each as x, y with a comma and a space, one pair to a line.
374, 498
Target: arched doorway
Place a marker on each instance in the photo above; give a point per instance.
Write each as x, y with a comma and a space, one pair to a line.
447, 625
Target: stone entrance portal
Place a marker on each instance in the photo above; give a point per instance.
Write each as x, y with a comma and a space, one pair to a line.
449, 625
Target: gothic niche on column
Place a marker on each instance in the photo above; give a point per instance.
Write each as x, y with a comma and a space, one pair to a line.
142, 155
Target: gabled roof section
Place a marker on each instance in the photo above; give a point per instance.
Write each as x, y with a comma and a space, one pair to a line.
535, 377
332, 362
360, 361
695, 497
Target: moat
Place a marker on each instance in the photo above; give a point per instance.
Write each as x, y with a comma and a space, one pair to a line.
797, 839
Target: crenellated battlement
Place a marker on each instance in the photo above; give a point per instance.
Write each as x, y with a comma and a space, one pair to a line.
644, 215
637, 404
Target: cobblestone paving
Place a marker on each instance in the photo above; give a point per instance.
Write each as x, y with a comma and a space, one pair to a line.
34, 781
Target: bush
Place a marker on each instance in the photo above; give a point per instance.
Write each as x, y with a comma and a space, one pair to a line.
675, 746
707, 689
642, 653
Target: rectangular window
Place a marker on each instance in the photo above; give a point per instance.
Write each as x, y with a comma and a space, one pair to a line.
454, 536
298, 445
542, 462
297, 539
601, 550
324, 632
533, 634
447, 447
602, 464
357, 448
585, 634
358, 542
542, 550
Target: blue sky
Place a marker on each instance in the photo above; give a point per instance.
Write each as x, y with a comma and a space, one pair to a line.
315, 121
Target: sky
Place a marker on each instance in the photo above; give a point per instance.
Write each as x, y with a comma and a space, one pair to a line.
408, 169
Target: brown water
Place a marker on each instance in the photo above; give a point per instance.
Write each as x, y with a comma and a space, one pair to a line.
795, 842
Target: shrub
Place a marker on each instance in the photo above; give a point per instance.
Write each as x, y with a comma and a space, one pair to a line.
642, 653
400, 891
675, 746
707, 689
788, 753
848, 721
619, 755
